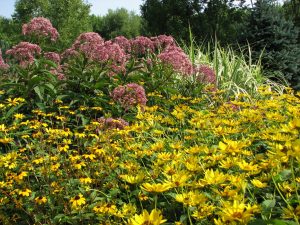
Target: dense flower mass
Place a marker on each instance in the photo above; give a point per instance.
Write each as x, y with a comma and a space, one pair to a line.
130, 95
53, 56
179, 61
123, 42
141, 45
41, 27
205, 74
110, 53
87, 42
3, 65
163, 41
24, 52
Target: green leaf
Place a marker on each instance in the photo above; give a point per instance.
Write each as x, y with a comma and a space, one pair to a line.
268, 204
38, 91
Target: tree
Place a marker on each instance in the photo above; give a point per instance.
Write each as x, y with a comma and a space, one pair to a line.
207, 18
270, 32
291, 10
117, 22
69, 17
171, 17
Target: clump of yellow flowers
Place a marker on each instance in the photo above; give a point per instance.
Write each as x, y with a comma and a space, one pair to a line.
178, 162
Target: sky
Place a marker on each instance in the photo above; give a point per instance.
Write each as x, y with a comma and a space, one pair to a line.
99, 7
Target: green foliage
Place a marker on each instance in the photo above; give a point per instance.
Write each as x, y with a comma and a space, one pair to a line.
270, 32
208, 19
70, 17
291, 9
34, 83
117, 22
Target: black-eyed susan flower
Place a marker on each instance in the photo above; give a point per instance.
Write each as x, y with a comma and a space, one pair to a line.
77, 201
40, 200
25, 193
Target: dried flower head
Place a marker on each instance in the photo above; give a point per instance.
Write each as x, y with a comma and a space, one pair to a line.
163, 41
40, 27
111, 123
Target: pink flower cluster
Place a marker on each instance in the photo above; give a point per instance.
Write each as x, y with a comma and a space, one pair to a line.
179, 61
205, 74
163, 41
130, 95
141, 45
3, 65
40, 27
123, 42
111, 123
96, 49
53, 56
87, 42
24, 52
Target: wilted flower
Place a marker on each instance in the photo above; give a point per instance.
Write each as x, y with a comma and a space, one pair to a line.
179, 61
3, 65
130, 95
111, 123
141, 45
24, 52
40, 27
163, 41
205, 74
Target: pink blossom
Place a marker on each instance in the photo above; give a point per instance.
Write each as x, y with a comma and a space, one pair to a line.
130, 95
110, 53
3, 65
85, 43
58, 72
123, 42
111, 123
40, 27
205, 74
53, 56
179, 61
141, 45
163, 41
24, 52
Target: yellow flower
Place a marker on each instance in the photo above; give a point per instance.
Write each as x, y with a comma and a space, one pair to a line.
191, 198
154, 218
106, 208
237, 212
214, 177
158, 188
25, 192
19, 116
133, 179
6, 140
85, 180
203, 211
77, 201
40, 200
258, 183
